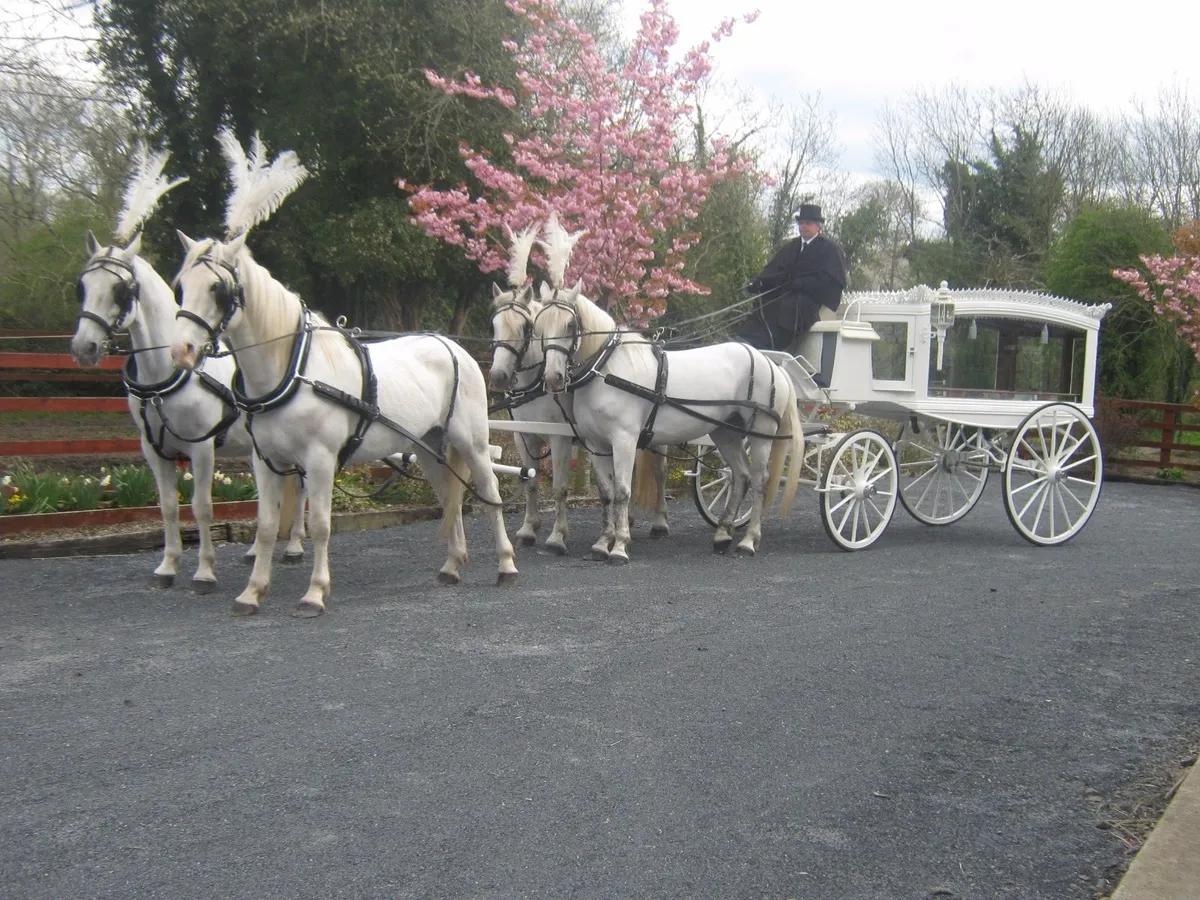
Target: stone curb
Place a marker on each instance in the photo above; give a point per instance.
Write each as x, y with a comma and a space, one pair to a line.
1168, 865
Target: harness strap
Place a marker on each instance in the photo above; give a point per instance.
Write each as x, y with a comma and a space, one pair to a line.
369, 400
686, 406
660, 397
154, 394
591, 368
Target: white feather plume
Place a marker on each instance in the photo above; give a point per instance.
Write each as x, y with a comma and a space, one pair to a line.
558, 244
518, 255
145, 188
258, 189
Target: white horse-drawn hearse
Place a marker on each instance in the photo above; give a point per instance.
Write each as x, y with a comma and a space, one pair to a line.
977, 381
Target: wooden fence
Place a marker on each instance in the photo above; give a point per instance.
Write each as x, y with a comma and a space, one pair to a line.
1129, 426
18, 366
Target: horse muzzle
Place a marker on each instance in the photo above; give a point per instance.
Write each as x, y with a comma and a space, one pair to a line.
185, 355
498, 380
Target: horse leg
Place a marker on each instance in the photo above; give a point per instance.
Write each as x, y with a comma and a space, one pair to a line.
319, 490
760, 451
527, 533
658, 524
168, 504
733, 451
439, 477
604, 487
270, 495
294, 551
487, 489
203, 464
622, 463
560, 456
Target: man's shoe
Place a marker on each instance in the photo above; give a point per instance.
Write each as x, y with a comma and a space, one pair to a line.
820, 380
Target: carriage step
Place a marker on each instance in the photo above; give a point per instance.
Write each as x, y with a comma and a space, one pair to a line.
812, 429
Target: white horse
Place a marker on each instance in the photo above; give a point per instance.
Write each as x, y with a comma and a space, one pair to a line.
516, 371
307, 387
177, 413
634, 394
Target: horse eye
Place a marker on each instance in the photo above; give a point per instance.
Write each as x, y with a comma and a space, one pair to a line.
179, 295
80, 291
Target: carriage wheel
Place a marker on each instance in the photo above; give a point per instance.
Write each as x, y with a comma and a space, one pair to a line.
943, 471
1053, 474
858, 489
710, 488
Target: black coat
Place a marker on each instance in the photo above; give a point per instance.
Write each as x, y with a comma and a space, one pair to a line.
798, 283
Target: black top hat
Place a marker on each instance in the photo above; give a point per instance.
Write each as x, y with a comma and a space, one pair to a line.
809, 212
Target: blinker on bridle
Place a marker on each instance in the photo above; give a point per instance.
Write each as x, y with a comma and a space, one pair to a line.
526, 336
576, 337
126, 292
229, 298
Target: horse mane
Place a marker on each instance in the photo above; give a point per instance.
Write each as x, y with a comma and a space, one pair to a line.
270, 315
146, 186
596, 325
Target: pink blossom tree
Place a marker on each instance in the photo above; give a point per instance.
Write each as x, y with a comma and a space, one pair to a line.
603, 149
1172, 286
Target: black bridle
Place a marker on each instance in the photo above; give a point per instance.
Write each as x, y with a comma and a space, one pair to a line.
526, 338
229, 295
576, 330
126, 292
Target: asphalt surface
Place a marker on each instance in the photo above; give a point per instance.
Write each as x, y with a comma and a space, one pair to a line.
940, 715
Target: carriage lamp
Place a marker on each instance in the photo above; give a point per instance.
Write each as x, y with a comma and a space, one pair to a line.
973, 331
941, 316
1045, 334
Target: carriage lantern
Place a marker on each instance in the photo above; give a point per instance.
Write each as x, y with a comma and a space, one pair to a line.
941, 316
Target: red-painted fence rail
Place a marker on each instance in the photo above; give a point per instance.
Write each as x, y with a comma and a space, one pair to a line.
31, 366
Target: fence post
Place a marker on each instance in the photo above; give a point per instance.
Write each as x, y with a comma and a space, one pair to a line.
1168, 438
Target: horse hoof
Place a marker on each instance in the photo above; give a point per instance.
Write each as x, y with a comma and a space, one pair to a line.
597, 555
164, 581
745, 551
528, 540
291, 559
307, 610
722, 546
618, 560
204, 585
448, 578
507, 579
557, 549
659, 531
243, 609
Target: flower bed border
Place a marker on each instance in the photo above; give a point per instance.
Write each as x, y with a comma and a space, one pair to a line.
32, 523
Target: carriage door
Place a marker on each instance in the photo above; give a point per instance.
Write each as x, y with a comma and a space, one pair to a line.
893, 356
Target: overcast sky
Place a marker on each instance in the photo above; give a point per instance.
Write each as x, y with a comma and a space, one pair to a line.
859, 54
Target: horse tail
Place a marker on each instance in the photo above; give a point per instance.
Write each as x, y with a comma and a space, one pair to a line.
456, 489
781, 449
645, 484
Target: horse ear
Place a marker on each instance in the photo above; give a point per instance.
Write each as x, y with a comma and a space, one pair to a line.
93, 245
525, 296
187, 242
546, 292
235, 245
496, 292
134, 247
576, 290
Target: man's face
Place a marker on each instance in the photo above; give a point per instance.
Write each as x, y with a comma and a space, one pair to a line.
808, 230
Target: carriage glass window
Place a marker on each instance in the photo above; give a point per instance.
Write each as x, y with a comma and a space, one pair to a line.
889, 354
1010, 359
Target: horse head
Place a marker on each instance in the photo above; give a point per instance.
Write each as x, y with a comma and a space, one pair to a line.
109, 291
513, 349
209, 294
557, 330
